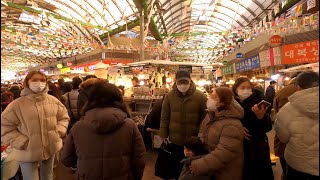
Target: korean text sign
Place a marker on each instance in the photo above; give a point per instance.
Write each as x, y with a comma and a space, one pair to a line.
228, 70
248, 64
305, 52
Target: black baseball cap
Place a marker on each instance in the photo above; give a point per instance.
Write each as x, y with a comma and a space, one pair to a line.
182, 75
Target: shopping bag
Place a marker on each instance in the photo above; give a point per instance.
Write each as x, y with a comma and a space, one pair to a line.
168, 164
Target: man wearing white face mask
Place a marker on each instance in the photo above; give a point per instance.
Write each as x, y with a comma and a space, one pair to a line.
183, 110
34, 125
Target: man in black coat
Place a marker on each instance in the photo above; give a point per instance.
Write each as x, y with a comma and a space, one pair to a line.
270, 94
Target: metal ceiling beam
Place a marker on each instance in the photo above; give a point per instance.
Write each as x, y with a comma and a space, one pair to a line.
176, 30
79, 5
108, 11
31, 10
169, 27
258, 4
104, 18
142, 5
119, 29
172, 14
241, 15
161, 18
247, 9
216, 11
190, 34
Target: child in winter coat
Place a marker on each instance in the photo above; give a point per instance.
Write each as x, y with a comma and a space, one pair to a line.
194, 148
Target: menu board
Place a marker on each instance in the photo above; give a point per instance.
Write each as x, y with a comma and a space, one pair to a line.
248, 64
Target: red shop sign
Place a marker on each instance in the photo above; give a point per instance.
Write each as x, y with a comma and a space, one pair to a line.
275, 41
304, 52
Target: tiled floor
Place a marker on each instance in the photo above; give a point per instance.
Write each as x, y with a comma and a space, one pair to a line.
63, 173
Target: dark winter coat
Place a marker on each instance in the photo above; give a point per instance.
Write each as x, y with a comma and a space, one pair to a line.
16, 91
105, 144
181, 116
257, 163
153, 119
84, 90
186, 173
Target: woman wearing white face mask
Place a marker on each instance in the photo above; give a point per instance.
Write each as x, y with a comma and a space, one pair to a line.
33, 126
222, 132
256, 122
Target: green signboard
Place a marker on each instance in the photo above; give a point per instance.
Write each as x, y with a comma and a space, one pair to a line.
228, 69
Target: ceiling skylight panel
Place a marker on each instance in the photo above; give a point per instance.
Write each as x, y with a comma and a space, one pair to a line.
229, 12
114, 10
226, 18
214, 20
65, 9
234, 6
109, 18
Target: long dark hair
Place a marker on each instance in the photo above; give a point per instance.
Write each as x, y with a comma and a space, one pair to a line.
103, 94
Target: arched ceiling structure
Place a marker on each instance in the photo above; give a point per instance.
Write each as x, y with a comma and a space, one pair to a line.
35, 32
209, 17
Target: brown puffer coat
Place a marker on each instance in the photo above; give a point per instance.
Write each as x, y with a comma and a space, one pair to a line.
223, 134
105, 145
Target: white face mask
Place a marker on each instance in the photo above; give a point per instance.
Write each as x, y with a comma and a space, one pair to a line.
183, 87
212, 105
244, 94
37, 86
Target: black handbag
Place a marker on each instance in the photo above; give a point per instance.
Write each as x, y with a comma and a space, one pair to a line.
168, 164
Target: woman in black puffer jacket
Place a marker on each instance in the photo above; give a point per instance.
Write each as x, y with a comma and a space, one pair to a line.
257, 122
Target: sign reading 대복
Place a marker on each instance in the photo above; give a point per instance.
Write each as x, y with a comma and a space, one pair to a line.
248, 64
304, 52
228, 69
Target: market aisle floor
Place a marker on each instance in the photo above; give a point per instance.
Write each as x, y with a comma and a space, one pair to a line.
63, 173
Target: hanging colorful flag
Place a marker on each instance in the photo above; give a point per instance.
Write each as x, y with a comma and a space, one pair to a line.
298, 10
284, 2
311, 4
293, 11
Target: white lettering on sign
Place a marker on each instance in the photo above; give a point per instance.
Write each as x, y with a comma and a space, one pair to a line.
302, 52
289, 53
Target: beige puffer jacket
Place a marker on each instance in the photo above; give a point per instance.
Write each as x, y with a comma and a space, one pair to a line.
223, 134
297, 125
33, 125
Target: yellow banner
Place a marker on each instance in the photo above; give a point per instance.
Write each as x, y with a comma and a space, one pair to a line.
64, 70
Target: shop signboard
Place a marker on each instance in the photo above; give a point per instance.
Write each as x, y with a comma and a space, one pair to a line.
248, 64
112, 70
265, 58
186, 67
276, 53
275, 41
304, 52
64, 70
127, 70
227, 70
239, 56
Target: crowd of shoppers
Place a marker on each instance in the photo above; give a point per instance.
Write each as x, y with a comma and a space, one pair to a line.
222, 136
